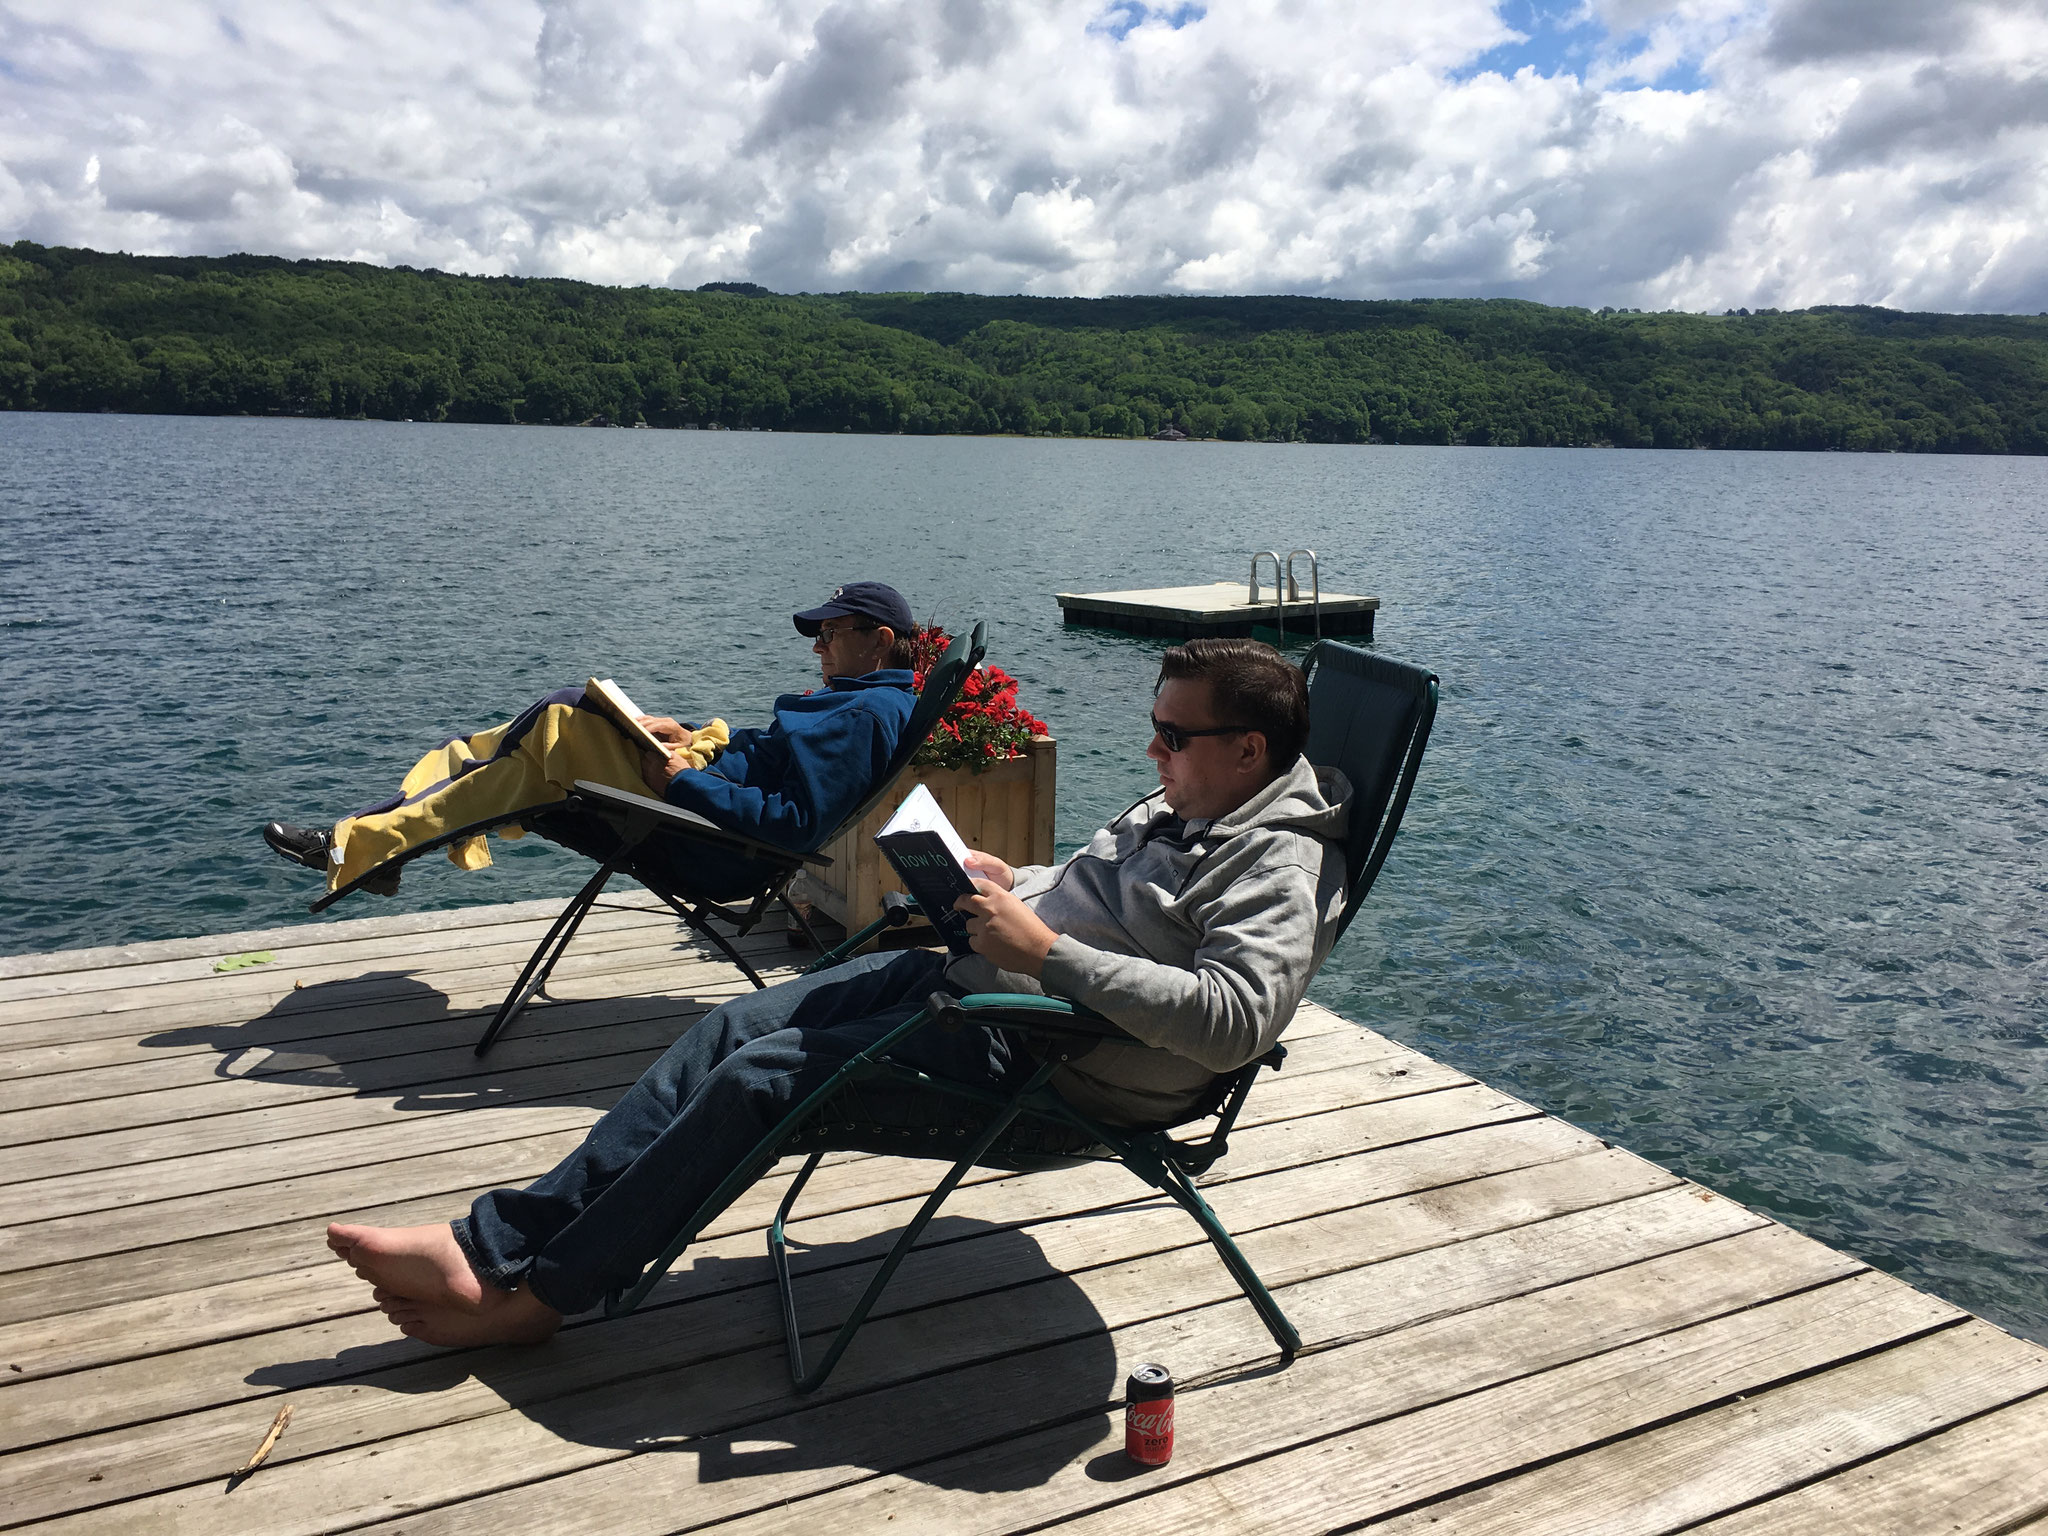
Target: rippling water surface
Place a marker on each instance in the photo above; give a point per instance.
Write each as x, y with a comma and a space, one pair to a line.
1729, 844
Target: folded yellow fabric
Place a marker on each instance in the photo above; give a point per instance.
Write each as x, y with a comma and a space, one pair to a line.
706, 742
472, 780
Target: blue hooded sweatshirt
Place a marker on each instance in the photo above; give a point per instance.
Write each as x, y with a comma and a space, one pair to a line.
793, 783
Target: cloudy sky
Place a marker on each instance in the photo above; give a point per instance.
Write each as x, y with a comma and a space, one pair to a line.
1690, 154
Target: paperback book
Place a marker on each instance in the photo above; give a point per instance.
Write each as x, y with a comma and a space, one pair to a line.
611, 701
931, 861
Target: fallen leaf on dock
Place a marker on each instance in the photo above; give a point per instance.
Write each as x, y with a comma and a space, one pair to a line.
243, 962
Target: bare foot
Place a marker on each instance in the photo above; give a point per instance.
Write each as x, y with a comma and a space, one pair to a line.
506, 1317
421, 1264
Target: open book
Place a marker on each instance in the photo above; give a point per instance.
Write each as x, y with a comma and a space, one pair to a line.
611, 701
930, 860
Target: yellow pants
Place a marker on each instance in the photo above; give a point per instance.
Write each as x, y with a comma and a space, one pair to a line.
523, 764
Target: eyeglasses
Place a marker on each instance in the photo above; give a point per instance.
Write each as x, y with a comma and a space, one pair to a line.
827, 633
1175, 738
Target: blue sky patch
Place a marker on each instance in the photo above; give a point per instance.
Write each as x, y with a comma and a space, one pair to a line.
1683, 76
1563, 40
1560, 41
1120, 16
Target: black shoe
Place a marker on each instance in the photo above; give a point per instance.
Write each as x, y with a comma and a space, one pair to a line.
302, 845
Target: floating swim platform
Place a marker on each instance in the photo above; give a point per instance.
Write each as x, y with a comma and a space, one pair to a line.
1218, 608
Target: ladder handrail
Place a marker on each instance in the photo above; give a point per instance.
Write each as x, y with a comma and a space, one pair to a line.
1315, 576
1278, 580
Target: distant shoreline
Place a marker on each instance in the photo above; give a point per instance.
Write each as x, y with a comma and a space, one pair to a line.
261, 336
1270, 442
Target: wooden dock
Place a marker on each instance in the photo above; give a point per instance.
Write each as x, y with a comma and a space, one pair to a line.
1221, 608
1511, 1326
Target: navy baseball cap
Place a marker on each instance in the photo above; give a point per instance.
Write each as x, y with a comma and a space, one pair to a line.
860, 599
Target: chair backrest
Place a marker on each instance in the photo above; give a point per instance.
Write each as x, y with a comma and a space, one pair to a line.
1369, 717
942, 686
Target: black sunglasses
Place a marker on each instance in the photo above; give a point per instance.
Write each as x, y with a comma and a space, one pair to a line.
1176, 738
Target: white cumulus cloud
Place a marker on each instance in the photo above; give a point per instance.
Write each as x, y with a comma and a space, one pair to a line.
1693, 154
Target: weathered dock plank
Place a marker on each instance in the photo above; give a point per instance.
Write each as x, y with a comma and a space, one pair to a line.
1413, 1332
702, 1339
1988, 1475
1768, 1429
351, 929
592, 1080
1509, 1326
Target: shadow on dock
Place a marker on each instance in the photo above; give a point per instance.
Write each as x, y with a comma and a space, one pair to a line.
700, 1371
390, 1034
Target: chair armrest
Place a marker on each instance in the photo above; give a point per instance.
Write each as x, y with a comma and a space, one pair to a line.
1028, 1012
679, 822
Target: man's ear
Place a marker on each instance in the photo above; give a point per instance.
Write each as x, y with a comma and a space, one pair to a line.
1251, 751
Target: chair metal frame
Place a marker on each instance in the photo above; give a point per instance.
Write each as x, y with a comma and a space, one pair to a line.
1060, 1030
637, 820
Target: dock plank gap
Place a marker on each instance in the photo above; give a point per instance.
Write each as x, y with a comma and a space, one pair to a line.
1217, 608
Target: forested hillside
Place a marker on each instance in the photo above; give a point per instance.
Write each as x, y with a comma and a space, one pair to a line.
84, 331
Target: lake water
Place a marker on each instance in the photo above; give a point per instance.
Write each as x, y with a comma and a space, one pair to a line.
1729, 845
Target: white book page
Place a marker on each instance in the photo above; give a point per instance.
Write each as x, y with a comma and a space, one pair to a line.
920, 812
633, 710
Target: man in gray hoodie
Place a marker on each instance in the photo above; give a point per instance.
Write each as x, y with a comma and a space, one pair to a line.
1193, 921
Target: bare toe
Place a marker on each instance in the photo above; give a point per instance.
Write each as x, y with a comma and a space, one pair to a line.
425, 1264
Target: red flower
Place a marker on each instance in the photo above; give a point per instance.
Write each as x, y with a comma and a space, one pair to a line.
983, 724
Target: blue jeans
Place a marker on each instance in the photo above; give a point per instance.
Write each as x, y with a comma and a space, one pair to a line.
595, 1221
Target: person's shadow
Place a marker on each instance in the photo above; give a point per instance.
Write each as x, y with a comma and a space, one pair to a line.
391, 1034
979, 1345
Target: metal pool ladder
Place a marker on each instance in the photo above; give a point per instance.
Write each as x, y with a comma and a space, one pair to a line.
1287, 589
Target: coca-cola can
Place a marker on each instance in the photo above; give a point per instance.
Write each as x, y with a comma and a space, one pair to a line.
1148, 1416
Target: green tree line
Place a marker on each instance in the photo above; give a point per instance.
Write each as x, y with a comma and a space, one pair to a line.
89, 331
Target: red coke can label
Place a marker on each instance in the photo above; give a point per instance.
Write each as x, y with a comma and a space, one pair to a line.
1148, 1416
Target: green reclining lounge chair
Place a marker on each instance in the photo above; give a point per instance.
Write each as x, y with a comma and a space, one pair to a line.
1369, 718
653, 842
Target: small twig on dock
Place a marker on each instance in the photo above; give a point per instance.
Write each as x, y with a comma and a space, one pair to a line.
284, 1417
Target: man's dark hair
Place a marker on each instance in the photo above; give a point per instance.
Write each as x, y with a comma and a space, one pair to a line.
1252, 685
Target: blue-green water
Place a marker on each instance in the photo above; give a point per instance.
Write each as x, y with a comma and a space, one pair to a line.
1729, 844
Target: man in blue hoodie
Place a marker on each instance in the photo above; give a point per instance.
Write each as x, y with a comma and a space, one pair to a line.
790, 783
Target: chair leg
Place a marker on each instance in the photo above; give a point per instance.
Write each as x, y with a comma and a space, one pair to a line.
702, 925
1177, 1184
778, 1254
542, 962
778, 1251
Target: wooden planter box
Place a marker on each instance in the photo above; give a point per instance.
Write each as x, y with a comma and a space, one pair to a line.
1006, 811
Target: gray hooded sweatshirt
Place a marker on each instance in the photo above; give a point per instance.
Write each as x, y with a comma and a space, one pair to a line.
1198, 938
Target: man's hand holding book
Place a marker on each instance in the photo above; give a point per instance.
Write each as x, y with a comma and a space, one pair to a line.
1000, 927
963, 892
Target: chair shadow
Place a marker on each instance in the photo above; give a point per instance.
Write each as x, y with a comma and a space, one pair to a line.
701, 1369
390, 1034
